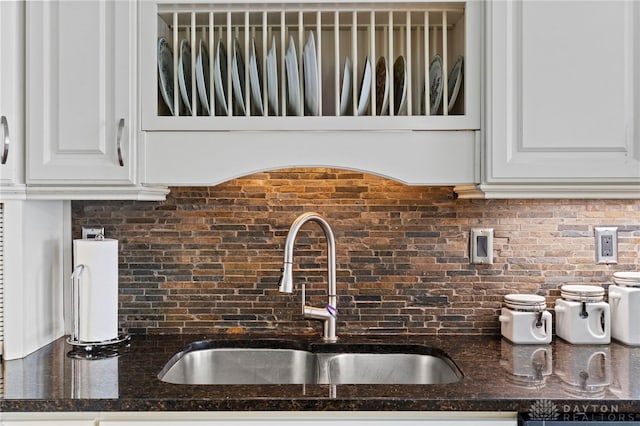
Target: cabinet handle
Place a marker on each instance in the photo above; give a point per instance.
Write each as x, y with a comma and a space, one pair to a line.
5, 140
119, 143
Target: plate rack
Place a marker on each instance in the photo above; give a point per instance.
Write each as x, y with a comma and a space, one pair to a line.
359, 31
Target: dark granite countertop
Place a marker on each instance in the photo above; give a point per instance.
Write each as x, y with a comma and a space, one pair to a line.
498, 376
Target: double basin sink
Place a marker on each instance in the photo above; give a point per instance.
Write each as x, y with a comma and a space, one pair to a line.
269, 361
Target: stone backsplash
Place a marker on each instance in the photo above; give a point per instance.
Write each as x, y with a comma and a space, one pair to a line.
207, 260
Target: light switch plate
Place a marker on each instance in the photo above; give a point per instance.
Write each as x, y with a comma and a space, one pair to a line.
481, 246
92, 232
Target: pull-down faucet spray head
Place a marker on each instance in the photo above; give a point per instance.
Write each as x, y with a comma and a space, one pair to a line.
285, 285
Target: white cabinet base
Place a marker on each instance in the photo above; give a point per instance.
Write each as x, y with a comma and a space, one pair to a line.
125, 192
413, 158
550, 191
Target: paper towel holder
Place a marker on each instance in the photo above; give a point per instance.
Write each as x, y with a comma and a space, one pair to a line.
74, 339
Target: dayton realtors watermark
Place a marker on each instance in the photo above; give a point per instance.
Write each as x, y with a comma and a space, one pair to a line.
545, 410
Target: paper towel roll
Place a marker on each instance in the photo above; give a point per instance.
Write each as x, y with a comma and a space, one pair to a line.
97, 289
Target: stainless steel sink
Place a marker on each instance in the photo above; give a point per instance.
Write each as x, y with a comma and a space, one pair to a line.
223, 366
371, 368
200, 363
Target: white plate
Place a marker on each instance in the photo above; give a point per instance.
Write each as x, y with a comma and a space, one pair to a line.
310, 68
220, 77
382, 86
165, 72
454, 82
399, 85
435, 84
202, 77
365, 88
256, 82
293, 79
272, 78
237, 79
345, 96
184, 74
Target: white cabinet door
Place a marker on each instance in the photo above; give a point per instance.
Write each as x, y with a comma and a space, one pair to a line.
80, 92
303, 418
11, 94
263, 418
563, 94
314, 422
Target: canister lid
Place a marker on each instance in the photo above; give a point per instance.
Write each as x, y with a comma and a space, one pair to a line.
582, 293
525, 302
627, 279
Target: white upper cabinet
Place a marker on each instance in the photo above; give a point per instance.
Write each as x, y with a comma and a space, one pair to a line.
563, 99
81, 92
232, 88
12, 100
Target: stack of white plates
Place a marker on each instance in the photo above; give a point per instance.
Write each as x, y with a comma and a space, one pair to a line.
272, 78
627, 279
345, 94
293, 79
237, 79
525, 302
165, 72
255, 78
455, 81
400, 85
364, 92
202, 77
220, 77
582, 293
310, 73
184, 74
382, 86
365, 88
436, 84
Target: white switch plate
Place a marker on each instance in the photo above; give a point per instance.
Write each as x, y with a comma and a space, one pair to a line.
606, 244
89, 232
481, 246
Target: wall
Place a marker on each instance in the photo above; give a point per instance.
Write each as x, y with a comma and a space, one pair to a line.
207, 260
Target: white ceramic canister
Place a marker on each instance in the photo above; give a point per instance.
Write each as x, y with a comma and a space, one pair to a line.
525, 320
624, 302
582, 315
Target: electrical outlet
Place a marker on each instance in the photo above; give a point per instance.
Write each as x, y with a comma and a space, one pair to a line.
606, 244
481, 246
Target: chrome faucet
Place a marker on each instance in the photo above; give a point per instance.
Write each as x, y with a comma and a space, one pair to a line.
329, 313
